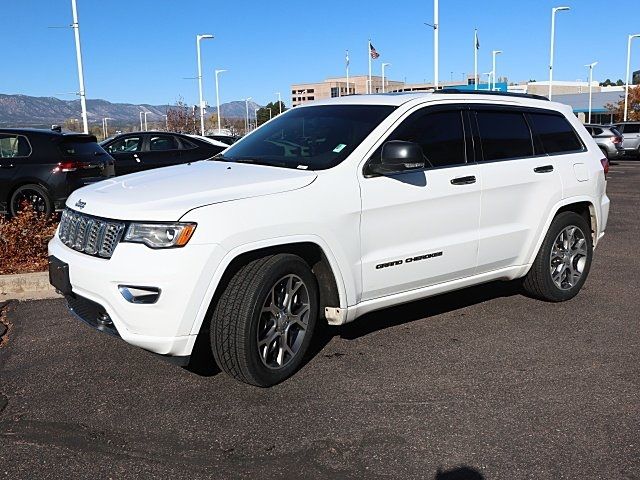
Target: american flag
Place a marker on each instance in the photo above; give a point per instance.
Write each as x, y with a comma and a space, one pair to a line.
373, 52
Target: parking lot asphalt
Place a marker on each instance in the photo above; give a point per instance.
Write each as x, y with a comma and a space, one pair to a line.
483, 383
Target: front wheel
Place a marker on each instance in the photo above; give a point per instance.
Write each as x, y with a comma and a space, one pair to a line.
264, 319
563, 262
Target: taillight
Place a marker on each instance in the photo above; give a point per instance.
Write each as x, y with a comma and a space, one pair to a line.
70, 166
605, 166
616, 140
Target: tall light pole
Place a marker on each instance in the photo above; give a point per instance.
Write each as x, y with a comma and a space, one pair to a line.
166, 122
493, 54
269, 108
476, 46
218, 100
279, 102
553, 36
105, 126
255, 114
246, 119
83, 98
146, 126
626, 85
384, 65
198, 39
488, 74
141, 127
436, 26
590, 66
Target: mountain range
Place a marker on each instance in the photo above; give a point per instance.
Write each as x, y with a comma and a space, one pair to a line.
27, 111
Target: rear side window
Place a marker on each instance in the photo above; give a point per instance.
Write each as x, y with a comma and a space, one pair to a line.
13, 146
631, 127
124, 145
163, 143
597, 131
504, 135
555, 132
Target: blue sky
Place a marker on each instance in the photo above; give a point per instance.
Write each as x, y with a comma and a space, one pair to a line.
139, 51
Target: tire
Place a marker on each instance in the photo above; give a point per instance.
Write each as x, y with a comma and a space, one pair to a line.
33, 194
554, 276
605, 153
249, 325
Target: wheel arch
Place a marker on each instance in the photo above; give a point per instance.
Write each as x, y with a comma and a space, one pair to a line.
332, 289
27, 181
582, 206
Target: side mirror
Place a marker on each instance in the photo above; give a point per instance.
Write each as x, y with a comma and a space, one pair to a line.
399, 156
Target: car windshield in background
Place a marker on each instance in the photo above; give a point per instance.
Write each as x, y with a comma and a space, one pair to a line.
309, 138
75, 147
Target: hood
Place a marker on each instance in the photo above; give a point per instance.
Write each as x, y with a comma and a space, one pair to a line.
166, 194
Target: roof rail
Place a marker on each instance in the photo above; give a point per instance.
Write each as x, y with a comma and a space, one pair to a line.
488, 92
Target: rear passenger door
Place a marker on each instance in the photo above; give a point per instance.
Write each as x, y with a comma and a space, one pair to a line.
420, 228
631, 134
126, 152
520, 184
163, 151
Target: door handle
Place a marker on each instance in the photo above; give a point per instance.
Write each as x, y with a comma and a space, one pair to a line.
6, 165
544, 169
463, 180
136, 157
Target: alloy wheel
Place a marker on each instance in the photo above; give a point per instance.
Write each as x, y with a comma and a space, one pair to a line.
568, 257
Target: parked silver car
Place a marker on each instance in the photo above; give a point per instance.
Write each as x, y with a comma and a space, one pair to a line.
631, 132
608, 138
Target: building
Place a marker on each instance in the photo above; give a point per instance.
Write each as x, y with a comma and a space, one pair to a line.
337, 87
635, 79
560, 87
579, 103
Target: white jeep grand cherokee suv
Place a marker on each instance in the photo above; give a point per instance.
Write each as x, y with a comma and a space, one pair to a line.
329, 211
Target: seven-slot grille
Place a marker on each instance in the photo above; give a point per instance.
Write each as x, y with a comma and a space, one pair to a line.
90, 235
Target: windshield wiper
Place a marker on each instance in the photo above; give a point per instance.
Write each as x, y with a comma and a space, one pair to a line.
257, 161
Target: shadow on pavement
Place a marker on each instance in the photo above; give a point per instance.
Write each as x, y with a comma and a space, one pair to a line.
459, 473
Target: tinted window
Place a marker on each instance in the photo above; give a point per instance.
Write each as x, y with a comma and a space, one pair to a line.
163, 142
79, 147
555, 132
440, 134
129, 144
314, 138
504, 135
596, 131
12, 146
631, 127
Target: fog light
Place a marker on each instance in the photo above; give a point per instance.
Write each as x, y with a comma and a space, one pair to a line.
143, 295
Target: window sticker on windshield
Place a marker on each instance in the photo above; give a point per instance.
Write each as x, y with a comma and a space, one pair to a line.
339, 148
303, 167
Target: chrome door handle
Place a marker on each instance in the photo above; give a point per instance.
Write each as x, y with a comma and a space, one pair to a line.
463, 180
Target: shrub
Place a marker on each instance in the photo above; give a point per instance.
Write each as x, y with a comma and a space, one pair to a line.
23, 242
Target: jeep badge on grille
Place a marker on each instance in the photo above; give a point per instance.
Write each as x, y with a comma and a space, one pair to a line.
80, 204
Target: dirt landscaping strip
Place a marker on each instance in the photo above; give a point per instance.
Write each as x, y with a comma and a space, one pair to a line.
26, 286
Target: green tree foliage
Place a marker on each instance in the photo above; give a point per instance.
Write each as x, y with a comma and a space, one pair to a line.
264, 114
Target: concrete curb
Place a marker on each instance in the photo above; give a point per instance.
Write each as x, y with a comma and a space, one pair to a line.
26, 286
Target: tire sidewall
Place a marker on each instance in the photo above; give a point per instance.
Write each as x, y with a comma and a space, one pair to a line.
561, 222
41, 191
286, 265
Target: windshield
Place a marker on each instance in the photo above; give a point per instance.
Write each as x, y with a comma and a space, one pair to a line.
309, 138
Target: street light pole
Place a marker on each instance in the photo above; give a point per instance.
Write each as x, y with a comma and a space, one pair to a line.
218, 100
83, 98
255, 114
166, 122
626, 85
279, 102
105, 126
493, 54
141, 127
436, 26
591, 65
246, 119
146, 126
475, 59
384, 65
553, 36
198, 38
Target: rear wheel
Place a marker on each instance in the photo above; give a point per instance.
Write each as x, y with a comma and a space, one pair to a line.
563, 262
264, 319
30, 196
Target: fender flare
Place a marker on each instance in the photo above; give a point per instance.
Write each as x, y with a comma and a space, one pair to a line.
266, 243
554, 211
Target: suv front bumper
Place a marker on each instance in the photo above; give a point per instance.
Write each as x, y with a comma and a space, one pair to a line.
182, 275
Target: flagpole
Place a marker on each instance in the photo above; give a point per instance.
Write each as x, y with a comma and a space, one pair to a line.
348, 92
475, 59
369, 89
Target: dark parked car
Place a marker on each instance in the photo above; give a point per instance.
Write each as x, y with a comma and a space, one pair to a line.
228, 139
43, 167
138, 151
631, 132
608, 138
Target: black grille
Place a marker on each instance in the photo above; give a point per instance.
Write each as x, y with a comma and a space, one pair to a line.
91, 313
91, 235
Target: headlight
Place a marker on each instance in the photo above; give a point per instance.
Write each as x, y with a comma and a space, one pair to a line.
160, 235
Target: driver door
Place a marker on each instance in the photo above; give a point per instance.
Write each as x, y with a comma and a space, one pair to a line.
420, 228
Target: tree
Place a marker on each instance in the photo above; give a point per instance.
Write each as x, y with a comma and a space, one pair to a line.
633, 111
619, 83
263, 114
606, 83
182, 119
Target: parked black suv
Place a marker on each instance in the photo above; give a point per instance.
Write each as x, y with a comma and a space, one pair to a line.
138, 151
43, 167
